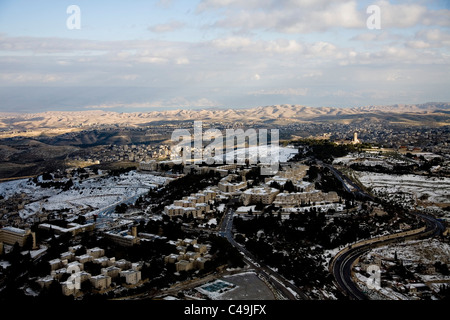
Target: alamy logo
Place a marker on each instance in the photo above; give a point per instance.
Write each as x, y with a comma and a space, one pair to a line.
374, 281
374, 20
241, 147
74, 281
74, 20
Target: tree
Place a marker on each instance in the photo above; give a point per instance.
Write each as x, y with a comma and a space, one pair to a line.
289, 186
121, 208
47, 176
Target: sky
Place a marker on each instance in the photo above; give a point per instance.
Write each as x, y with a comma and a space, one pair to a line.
138, 56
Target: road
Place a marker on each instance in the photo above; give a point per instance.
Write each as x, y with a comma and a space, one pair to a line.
342, 264
277, 281
346, 182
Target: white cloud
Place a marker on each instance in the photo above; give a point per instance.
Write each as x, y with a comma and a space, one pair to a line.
167, 27
283, 92
180, 102
155, 60
406, 15
32, 78
181, 61
177, 103
287, 16
418, 44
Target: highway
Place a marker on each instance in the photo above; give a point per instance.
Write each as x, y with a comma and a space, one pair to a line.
348, 184
341, 265
277, 281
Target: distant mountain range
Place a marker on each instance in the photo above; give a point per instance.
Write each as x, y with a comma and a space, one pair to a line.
33, 143
429, 112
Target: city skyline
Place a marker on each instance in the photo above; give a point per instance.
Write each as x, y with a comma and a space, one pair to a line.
163, 55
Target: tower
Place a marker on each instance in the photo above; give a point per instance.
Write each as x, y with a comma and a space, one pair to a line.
33, 235
355, 138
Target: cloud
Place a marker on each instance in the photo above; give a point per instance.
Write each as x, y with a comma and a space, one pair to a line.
167, 27
305, 16
165, 3
288, 16
172, 103
282, 92
179, 102
181, 61
151, 59
406, 15
427, 38
29, 78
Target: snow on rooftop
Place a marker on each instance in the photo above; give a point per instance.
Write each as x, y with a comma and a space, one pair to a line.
14, 229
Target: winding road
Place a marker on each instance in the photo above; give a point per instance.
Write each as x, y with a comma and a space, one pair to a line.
342, 264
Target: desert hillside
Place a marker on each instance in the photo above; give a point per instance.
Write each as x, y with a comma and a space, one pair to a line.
55, 122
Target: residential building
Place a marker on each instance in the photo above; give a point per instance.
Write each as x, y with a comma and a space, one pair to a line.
101, 281
132, 277
264, 195
11, 235
231, 183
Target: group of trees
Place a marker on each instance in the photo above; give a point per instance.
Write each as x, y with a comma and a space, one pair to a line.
121, 208
324, 150
177, 189
63, 185
286, 243
288, 186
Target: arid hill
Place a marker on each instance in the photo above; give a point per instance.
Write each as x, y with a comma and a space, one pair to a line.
56, 122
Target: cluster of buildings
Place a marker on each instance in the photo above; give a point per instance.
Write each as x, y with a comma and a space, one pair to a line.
423, 282
235, 185
265, 195
297, 199
71, 268
196, 204
9, 209
232, 183
131, 153
190, 255
72, 228
125, 238
11, 235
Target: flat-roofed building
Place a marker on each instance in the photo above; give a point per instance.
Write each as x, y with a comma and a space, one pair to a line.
11, 235
96, 252
102, 261
46, 281
71, 287
67, 256
126, 240
172, 258
230, 184
184, 265
72, 228
111, 271
287, 199
84, 258
131, 276
200, 263
123, 264
264, 195
55, 264
101, 281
